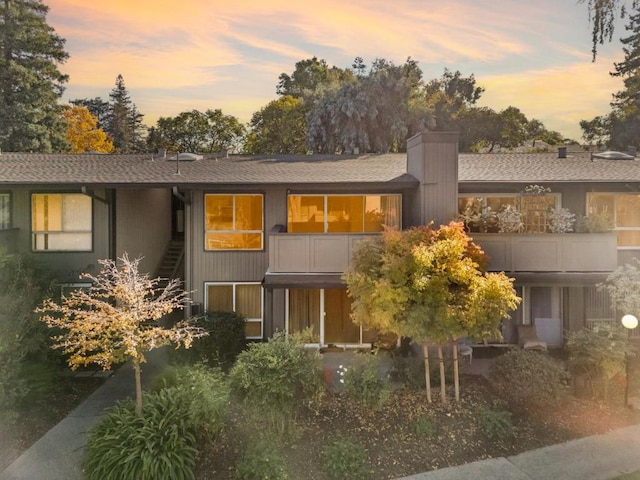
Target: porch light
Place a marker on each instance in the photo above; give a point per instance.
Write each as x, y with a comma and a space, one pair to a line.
629, 322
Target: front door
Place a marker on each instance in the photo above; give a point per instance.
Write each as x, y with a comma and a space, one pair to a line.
338, 327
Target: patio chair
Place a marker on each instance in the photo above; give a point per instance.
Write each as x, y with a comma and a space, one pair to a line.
528, 338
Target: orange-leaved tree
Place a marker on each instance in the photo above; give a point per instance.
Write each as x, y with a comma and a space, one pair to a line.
431, 285
116, 319
83, 134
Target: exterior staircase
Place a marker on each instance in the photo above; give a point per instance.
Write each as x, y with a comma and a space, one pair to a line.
172, 263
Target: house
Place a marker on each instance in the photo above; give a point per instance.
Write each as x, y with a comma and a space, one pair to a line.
270, 236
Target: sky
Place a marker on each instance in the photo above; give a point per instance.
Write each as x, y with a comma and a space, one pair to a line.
178, 55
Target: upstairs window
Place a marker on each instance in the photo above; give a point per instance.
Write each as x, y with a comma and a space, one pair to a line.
343, 213
61, 222
5, 211
621, 211
233, 222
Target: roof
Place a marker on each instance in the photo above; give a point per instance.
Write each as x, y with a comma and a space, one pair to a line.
544, 167
113, 170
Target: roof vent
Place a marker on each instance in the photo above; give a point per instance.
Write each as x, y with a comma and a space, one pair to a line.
562, 152
611, 155
185, 157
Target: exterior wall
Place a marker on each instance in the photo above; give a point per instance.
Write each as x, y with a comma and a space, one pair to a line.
143, 225
65, 265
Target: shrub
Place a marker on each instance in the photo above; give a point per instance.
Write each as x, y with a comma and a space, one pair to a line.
364, 383
345, 459
205, 398
524, 377
220, 348
160, 444
494, 422
263, 460
425, 426
275, 378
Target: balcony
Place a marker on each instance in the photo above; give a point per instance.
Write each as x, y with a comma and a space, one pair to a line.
548, 252
311, 253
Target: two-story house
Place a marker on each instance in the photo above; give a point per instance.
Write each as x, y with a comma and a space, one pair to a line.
270, 236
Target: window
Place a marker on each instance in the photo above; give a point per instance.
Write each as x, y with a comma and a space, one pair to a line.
5, 211
343, 213
243, 298
233, 222
622, 211
61, 222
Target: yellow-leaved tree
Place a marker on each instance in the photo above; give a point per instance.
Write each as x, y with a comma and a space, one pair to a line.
117, 318
83, 133
431, 285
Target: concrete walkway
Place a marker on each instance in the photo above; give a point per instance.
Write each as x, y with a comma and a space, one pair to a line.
58, 454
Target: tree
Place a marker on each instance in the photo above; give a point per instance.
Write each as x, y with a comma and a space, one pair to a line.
83, 133
308, 76
431, 285
98, 107
116, 319
279, 127
602, 16
30, 81
124, 121
195, 131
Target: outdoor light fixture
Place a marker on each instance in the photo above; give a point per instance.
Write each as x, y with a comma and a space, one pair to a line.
629, 322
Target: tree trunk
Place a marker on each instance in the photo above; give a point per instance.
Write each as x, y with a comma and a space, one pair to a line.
456, 381
427, 375
443, 383
136, 371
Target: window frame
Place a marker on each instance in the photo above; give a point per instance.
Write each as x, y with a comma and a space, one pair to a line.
33, 232
9, 205
325, 197
234, 286
233, 230
615, 228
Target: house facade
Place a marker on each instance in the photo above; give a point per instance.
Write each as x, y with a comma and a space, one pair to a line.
271, 236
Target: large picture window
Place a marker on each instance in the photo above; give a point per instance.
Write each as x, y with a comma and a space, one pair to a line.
243, 298
233, 222
343, 213
61, 222
5, 211
620, 210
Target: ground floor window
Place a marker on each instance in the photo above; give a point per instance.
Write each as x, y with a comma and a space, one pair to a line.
326, 312
246, 299
5, 211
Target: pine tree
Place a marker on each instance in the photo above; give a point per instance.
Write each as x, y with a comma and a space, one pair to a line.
124, 122
30, 82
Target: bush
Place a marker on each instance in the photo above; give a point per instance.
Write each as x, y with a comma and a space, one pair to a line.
160, 444
527, 378
364, 383
220, 348
263, 460
345, 459
494, 422
205, 398
425, 426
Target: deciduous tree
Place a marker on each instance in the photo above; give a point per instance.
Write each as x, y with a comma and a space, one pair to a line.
116, 319
83, 133
279, 127
431, 285
30, 80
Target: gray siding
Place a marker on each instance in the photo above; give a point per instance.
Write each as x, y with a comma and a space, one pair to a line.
143, 225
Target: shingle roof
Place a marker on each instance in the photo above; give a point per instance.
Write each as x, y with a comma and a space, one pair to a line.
26, 168
544, 167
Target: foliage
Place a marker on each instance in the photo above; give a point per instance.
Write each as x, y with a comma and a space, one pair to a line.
197, 132
275, 378
602, 16
30, 81
409, 370
23, 339
494, 422
346, 459
83, 133
225, 340
279, 127
561, 220
425, 426
528, 378
263, 460
600, 353
115, 320
596, 222
509, 219
159, 445
205, 400
124, 121
364, 383
623, 287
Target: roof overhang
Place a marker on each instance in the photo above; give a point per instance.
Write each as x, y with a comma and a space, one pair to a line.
302, 280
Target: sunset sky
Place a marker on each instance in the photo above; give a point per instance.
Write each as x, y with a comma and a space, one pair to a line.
199, 54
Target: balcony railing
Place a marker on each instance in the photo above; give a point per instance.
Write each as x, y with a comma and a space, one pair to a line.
548, 252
